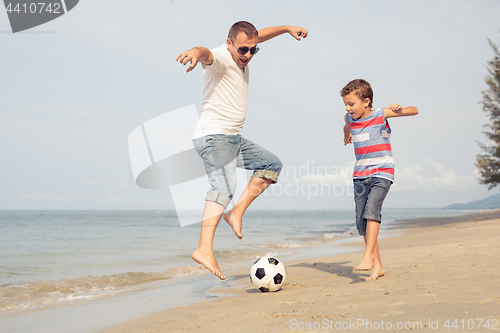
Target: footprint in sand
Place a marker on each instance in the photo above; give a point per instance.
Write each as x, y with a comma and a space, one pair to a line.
392, 313
288, 302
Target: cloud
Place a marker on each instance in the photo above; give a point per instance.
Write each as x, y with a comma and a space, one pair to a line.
311, 180
112, 198
317, 174
60, 197
431, 176
425, 175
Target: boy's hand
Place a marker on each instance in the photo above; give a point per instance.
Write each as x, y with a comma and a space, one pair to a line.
395, 107
297, 32
192, 56
348, 140
396, 110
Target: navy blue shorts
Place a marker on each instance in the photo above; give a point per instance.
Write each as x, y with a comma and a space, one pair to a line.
369, 194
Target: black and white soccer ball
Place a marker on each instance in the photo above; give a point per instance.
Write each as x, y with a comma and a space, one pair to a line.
268, 274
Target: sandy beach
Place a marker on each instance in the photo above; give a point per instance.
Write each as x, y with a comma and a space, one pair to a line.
441, 275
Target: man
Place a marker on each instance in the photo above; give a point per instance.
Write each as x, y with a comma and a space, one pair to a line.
217, 138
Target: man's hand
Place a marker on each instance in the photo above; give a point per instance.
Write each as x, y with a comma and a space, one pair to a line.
297, 32
192, 56
268, 33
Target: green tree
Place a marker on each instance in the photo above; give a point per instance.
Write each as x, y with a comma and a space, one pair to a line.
489, 163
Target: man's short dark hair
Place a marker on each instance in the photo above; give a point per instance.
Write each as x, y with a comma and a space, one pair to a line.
242, 26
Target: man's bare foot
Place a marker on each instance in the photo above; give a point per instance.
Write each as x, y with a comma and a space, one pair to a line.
365, 265
208, 260
234, 223
377, 272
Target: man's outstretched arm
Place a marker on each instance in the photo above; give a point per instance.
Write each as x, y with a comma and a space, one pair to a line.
271, 32
195, 55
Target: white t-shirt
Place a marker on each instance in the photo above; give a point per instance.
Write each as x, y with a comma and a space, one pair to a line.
224, 105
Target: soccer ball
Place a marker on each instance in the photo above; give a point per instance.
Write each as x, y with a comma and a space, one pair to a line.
268, 274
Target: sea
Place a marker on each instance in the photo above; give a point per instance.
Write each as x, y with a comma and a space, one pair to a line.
54, 264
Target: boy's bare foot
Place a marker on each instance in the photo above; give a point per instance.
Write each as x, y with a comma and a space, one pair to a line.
208, 260
234, 223
377, 272
365, 265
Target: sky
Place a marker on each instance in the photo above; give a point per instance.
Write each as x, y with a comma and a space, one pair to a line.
72, 90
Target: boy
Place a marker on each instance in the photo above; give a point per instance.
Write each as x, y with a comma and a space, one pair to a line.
373, 175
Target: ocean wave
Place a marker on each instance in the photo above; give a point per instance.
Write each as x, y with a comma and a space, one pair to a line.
28, 295
319, 239
337, 235
288, 245
234, 257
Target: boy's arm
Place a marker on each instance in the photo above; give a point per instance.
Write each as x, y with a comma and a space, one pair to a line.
347, 132
271, 32
195, 55
396, 110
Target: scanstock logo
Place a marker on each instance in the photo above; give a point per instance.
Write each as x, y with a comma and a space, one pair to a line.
25, 15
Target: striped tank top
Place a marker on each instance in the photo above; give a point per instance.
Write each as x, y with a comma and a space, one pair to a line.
370, 137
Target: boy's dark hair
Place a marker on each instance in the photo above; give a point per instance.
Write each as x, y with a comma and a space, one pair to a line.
361, 88
242, 26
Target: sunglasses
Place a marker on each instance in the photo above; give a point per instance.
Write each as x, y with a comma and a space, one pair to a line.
243, 49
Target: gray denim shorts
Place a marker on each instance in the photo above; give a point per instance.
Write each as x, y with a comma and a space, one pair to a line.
221, 155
